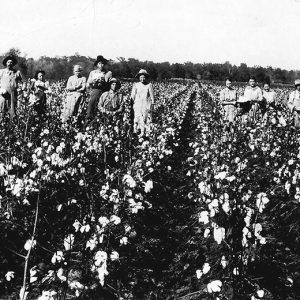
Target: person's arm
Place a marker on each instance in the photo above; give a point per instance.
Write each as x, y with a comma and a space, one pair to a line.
133, 93
90, 80
70, 85
83, 85
120, 103
260, 96
151, 93
291, 105
108, 76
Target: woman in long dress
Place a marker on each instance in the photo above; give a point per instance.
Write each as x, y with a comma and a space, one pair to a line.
142, 96
76, 86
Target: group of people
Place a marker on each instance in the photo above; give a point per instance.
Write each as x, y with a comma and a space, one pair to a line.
256, 104
104, 93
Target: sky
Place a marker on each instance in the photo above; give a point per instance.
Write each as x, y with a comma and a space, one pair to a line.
255, 32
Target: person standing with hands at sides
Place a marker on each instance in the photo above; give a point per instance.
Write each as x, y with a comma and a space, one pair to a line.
142, 96
253, 95
228, 98
269, 101
294, 103
9, 81
98, 82
76, 87
40, 88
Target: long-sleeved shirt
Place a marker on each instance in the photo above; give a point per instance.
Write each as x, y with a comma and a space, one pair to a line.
253, 94
142, 96
228, 95
76, 84
270, 96
111, 102
98, 76
9, 79
294, 100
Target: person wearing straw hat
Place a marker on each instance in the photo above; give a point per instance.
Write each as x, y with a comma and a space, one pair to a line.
9, 81
76, 87
228, 98
98, 82
142, 96
111, 102
294, 103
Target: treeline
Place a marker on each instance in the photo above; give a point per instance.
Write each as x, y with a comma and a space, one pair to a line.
57, 68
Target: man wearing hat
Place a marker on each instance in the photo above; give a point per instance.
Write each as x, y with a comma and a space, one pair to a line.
98, 82
9, 80
142, 96
294, 103
111, 102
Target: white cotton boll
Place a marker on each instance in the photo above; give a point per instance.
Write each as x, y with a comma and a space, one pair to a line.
114, 255
103, 221
206, 268
236, 271
257, 229
76, 225
124, 240
206, 232
221, 175
29, 244
148, 186
212, 213
224, 262
263, 241
260, 293
214, 286
60, 274
203, 217
226, 207
219, 234
115, 219
9, 275
199, 274
23, 294
58, 256
33, 272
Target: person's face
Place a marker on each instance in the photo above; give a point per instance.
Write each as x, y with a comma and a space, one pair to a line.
40, 76
9, 64
252, 82
142, 78
100, 65
228, 83
298, 87
113, 86
266, 87
77, 72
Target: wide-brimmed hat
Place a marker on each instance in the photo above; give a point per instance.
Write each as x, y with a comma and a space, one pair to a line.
100, 58
142, 72
10, 57
297, 82
115, 80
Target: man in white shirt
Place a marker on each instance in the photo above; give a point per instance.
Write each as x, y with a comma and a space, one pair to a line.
254, 96
294, 103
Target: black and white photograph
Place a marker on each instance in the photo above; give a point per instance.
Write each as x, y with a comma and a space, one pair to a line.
150, 150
